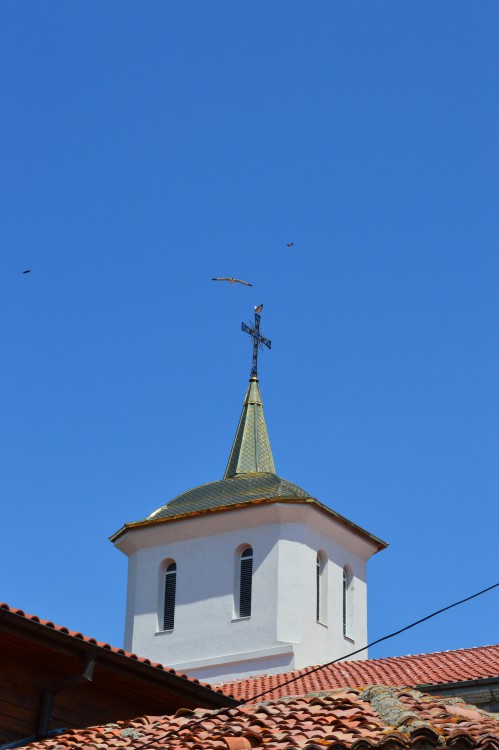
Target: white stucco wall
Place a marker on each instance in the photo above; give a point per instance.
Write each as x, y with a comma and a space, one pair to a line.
208, 640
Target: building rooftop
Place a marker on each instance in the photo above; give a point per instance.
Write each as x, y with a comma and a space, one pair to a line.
17, 620
242, 488
424, 669
52, 677
249, 479
376, 717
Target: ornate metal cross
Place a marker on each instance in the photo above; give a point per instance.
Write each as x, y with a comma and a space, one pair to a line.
258, 341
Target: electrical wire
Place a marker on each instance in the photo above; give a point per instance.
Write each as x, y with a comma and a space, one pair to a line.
373, 643
312, 670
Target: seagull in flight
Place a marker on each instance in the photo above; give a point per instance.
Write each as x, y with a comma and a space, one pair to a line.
28, 270
290, 244
232, 280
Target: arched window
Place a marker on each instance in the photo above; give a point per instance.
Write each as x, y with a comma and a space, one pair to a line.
321, 587
318, 589
347, 602
245, 579
345, 597
169, 604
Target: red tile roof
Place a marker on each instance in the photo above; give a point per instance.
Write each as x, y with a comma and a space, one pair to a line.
378, 717
99, 644
425, 669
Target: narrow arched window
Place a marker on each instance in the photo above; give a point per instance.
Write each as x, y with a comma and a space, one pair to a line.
245, 580
170, 587
345, 601
321, 587
318, 589
348, 611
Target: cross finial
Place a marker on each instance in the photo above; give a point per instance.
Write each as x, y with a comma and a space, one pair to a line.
258, 341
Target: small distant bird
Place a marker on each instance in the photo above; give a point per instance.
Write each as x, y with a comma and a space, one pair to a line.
28, 270
232, 280
290, 244
259, 309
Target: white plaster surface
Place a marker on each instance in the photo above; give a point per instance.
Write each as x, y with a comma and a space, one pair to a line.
208, 641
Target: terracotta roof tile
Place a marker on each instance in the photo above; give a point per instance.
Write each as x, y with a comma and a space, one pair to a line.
93, 641
377, 717
424, 669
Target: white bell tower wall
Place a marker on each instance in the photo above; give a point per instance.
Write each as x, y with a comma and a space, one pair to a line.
209, 639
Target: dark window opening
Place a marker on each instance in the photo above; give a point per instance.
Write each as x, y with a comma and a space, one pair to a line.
345, 592
170, 588
318, 593
246, 576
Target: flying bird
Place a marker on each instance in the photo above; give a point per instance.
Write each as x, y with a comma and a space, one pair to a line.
259, 309
28, 270
290, 244
232, 280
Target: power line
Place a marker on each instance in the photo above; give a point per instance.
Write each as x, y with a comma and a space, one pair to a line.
312, 670
373, 643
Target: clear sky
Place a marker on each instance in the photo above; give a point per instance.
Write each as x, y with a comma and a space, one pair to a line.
146, 147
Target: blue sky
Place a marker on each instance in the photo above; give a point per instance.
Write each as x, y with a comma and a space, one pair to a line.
147, 147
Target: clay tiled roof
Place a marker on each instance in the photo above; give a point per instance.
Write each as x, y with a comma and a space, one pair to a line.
378, 717
4, 608
424, 669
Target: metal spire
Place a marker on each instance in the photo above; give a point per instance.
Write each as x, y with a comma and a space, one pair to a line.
258, 341
251, 452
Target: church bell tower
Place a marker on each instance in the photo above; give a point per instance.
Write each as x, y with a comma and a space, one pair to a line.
249, 574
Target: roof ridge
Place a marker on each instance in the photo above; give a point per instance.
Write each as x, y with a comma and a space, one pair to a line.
453, 665
435, 653
362, 662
